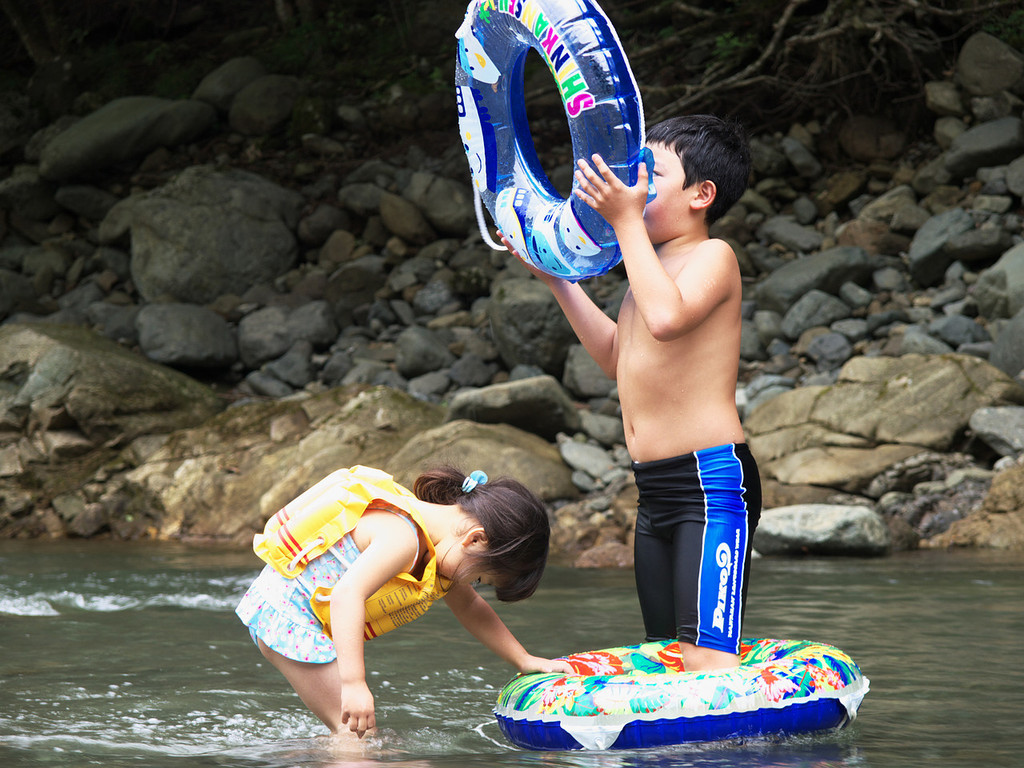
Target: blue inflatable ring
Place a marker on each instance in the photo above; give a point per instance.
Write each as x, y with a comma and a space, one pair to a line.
562, 237
640, 696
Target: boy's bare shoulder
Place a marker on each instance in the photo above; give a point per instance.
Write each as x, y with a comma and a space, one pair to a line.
714, 245
706, 253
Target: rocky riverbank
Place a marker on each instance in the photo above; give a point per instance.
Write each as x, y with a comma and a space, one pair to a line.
195, 328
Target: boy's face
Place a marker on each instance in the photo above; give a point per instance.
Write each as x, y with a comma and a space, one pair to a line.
666, 213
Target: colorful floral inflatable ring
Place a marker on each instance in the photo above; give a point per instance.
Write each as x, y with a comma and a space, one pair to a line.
639, 696
602, 103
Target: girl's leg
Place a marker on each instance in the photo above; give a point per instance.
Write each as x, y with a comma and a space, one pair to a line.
318, 685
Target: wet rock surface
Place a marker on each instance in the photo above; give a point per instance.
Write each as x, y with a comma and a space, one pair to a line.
193, 329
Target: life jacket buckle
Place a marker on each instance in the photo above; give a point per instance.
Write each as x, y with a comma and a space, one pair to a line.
318, 542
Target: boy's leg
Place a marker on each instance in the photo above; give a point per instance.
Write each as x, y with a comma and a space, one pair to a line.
318, 685
652, 568
688, 565
708, 608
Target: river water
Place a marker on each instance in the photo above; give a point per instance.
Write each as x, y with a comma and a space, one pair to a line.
130, 655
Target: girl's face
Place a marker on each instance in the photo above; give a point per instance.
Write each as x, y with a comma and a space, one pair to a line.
456, 556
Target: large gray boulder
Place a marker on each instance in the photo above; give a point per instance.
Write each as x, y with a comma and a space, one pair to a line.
447, 204
206, 233
185, 336
24, 193
1000, 288
994, 143
539, 405
65, 378
986, 65
790, 234
826, 271
497, 449
264, 106
353, 285
405, 220
219, 87
419, 350
1008, 350
223, 479
270, 331
928, 258
815, 308
880, 411
1000, 428
529, 327
123, 130
822, 529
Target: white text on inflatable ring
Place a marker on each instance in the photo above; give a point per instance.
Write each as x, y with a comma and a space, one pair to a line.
573, 88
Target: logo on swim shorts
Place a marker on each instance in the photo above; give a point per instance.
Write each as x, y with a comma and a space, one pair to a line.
723, 557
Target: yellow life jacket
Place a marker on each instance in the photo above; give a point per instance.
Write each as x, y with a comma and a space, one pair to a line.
312, 523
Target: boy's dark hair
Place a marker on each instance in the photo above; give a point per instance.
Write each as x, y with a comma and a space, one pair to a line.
711, 149
514, 520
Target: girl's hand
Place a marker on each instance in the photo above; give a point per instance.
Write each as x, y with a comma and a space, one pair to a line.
603, 191
539, 664
357, 708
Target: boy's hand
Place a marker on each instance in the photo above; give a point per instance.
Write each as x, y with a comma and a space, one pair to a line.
549, 279
357, 708
538, 664
603, 191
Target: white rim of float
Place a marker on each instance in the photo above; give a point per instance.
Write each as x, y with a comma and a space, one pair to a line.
600, 732
683, 694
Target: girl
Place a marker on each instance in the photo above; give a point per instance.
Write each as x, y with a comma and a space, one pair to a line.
357, 555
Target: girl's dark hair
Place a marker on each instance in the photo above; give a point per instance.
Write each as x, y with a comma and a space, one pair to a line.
514, 520
710, 149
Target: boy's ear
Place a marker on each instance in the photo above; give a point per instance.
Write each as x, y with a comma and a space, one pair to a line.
704, 195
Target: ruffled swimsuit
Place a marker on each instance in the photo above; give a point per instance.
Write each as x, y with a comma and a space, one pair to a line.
277, 609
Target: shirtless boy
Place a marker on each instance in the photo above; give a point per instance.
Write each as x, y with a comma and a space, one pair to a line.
674, 353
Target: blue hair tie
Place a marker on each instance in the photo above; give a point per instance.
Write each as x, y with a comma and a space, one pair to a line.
476, 477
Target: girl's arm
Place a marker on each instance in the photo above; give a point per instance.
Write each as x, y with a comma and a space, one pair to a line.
596, 331
474, 613
388, 547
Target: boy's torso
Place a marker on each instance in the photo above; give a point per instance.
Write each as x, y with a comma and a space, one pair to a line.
679, 396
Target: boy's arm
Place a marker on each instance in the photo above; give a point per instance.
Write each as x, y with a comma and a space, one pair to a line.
595, 330
474, 613
667, 312
390, 551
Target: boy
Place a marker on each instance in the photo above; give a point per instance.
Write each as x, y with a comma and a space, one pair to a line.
674, 353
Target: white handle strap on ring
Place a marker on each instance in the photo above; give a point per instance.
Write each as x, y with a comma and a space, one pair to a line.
480, 222
320, 541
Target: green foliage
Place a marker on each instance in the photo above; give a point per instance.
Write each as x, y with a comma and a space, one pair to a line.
1009, 28
293, 51
731, 47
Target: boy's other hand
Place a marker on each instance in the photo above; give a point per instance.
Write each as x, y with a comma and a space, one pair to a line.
603, 191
